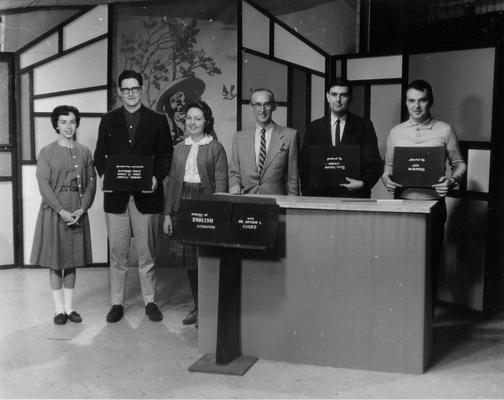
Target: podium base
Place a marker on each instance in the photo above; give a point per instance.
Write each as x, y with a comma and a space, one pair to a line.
238, 366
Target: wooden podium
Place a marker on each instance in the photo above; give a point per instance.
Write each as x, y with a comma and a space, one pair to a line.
230, 223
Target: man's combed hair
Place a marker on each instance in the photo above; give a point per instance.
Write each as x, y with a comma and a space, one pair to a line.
129, 74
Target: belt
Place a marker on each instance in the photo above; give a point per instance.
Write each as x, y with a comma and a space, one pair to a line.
66, 188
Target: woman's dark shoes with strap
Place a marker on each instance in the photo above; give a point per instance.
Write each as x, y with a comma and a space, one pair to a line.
60, 319
74, 316
191, 318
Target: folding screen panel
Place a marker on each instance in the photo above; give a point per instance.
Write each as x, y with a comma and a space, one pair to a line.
68, 66
275, 57
8, 175
463, 85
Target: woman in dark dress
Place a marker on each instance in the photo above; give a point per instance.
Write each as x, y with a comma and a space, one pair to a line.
199, 165
67, 183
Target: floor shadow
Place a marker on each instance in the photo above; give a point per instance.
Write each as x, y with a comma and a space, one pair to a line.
460, 333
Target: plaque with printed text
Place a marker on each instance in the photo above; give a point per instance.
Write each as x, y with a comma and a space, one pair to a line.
203, 219
418, 166
228, 221
253, 222
128, 173
330, 165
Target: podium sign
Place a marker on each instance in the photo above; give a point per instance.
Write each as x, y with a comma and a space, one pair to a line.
232, 223
330, 165
253, 222
228, 221
418, 166
128, 173
203, 220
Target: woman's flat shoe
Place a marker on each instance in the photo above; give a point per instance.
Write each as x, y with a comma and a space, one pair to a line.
60, 319
74, 316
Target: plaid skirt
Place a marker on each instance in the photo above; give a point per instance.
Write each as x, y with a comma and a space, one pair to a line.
180, 254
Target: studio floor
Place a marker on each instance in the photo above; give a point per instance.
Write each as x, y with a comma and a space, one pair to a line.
137, 358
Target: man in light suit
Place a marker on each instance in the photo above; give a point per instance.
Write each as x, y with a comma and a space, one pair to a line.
345, 128
264, 158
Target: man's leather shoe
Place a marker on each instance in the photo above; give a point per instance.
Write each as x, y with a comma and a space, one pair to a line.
74, 316
60, 319
116, 313
152, 310
191, 318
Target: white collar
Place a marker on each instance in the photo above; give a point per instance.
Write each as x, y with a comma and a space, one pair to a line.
206, 139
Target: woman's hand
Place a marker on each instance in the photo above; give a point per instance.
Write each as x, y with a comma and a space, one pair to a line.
77, 214
66, 216
167, 225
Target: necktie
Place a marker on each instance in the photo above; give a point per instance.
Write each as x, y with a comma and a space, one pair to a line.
262, 151
337, 134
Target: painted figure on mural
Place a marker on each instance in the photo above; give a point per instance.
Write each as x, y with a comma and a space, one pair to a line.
173, 101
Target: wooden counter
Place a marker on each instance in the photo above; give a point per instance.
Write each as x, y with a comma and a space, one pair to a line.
347, 285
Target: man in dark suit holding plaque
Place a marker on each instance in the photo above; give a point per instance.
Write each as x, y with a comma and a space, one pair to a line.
328, 139
136, 131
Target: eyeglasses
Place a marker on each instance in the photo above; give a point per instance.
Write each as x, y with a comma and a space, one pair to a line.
259, 106
133, 90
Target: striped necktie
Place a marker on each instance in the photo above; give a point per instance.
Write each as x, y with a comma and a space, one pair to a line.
262, 151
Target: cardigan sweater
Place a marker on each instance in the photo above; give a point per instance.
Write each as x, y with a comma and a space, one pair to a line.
212, 169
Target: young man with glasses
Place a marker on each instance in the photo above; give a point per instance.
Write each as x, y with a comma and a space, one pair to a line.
264, 158
133, 129
342, 128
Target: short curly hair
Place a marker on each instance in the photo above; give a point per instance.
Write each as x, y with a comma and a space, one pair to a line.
64, 110
207, 114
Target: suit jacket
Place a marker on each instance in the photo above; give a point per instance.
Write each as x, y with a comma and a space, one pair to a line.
212, 169
358, 131
151, 138
280, 171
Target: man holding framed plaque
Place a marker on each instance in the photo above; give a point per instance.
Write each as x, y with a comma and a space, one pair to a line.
415, 161
133, 155
411, 157
340, 156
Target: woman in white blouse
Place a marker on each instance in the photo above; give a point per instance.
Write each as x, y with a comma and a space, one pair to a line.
199, 166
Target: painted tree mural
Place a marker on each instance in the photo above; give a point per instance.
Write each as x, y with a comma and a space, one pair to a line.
164, 51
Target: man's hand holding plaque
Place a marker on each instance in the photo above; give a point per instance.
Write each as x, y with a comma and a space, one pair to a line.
154, 186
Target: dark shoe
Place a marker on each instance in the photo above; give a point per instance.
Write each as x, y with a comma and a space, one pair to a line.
60, 319
74, 316
191, 318
152, 310
116, 313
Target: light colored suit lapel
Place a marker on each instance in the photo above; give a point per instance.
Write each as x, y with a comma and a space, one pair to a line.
249, 147
276, 143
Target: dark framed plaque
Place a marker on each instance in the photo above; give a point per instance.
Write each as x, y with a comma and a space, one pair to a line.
204, 220
254, 222
128, 173
228, 221
330, 165
418, 166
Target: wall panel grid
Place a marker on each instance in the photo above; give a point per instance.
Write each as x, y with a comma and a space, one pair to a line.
256, 29
86, 67
42, 50
290, 48
369, 68
87, 27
